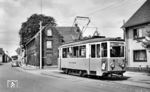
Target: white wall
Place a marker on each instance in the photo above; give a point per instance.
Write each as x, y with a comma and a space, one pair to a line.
131, 45
1, 58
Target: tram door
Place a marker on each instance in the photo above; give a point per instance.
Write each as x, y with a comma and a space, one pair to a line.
59, 58
94, 58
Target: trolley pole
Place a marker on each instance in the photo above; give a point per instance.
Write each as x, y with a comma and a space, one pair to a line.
40, 44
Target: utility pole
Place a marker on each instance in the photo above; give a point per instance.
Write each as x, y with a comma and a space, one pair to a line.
41, 28
40, 44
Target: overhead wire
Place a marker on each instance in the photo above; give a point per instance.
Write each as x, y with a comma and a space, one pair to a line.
115, 5
104, 8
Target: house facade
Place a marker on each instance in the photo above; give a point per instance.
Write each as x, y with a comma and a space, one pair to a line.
1, 55
52, 38
135, 31
4, 58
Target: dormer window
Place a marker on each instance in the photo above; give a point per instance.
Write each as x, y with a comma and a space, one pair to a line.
49, 32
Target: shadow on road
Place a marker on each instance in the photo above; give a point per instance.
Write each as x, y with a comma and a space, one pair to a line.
1, 64
113, 78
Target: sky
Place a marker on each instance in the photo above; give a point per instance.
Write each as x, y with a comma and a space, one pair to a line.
105, 15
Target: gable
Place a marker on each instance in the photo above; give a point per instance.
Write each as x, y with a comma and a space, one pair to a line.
68, 33
141, 16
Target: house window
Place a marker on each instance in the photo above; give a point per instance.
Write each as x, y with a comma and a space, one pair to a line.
49, 32
49, 44
140, 56
139, 33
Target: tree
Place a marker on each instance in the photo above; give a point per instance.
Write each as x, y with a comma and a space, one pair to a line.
30, 27
146, 40
18, 51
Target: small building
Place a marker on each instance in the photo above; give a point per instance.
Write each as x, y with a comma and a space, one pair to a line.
135, 30
4, 58
1, 55
52, 38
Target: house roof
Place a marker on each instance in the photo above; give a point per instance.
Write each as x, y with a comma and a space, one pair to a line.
68, 33
141, 16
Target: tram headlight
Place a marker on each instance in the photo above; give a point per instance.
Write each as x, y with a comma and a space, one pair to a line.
122, 66
112, 66
103, 66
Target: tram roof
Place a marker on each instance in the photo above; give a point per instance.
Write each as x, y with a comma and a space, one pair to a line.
91, 40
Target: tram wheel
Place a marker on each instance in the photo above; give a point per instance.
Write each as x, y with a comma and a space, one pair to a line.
81, 73
110, 75
121, 75
66, 71
104, 75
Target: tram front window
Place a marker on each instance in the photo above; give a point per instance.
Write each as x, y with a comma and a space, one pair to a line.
116, 50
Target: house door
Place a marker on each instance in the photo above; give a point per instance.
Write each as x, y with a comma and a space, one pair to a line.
49, 59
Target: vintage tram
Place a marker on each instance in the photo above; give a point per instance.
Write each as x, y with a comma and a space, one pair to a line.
95, 56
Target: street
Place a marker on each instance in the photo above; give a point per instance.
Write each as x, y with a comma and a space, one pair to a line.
30, 82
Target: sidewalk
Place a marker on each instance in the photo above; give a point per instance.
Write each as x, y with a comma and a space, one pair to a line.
137, 79
37, 70
30, 67
138, 76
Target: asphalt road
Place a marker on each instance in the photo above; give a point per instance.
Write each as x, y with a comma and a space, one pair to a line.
28, 82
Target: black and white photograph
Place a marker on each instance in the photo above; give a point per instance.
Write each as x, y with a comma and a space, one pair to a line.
74, 45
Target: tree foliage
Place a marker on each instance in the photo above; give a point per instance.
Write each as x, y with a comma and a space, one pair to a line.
30, 27
146, 40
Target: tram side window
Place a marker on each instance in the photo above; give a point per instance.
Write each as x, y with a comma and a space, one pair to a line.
64, 52
82, 51
93, 50
98, 50
104, 49
75, 51
71, 52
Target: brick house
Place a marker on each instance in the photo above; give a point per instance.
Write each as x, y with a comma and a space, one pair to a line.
135, 30
52, 38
